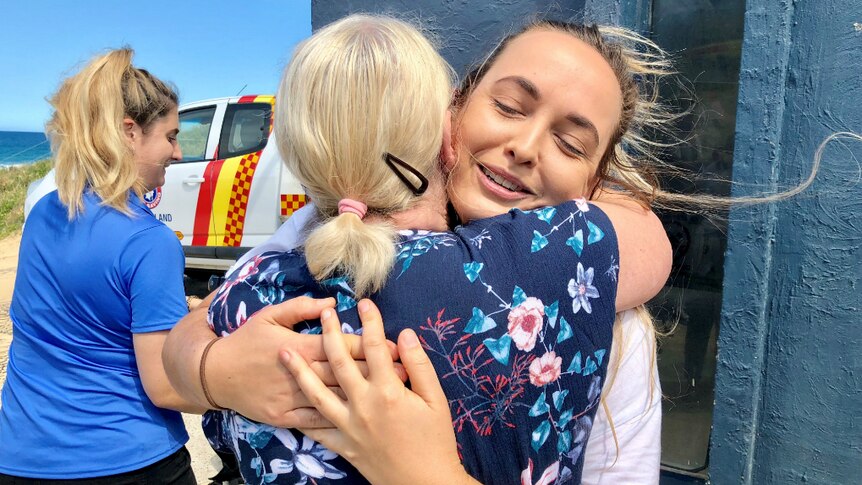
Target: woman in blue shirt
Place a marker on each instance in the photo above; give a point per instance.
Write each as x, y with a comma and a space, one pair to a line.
99, 284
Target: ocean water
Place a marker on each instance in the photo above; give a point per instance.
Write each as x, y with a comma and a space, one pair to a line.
19, 147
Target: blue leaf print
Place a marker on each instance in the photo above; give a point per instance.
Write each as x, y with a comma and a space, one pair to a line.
596, 234
280, 466
421, 246
539, 241
406, 264
576, 242
472, 269
540, 435
479, 323
595, 389
564, 442
540, 407
551, 311
257, 464
582, 428
580, 433
546, 214
565, 331
344, 302
270, 477
565, 475
575, 366
269, 294
600, 354
339, 281
259, 438
565, 418
559, 397
312, 331
499, 348
518, 296
347, 328
269, 272
589, 367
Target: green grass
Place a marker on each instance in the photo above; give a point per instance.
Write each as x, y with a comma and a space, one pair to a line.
13, 189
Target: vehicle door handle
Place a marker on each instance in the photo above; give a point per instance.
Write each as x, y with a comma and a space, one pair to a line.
193, 180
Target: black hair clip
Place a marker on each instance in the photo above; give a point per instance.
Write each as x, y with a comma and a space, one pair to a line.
391, 160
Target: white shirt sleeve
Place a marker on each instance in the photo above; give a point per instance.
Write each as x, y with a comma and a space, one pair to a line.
633, 398
289, 236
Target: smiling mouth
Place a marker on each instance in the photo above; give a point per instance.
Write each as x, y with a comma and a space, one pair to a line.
502, 181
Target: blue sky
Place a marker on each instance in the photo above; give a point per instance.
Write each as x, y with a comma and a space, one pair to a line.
206, 48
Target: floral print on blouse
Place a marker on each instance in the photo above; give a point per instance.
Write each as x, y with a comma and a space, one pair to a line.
516, 313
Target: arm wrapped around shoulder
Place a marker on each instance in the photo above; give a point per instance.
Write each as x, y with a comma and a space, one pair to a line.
645, 252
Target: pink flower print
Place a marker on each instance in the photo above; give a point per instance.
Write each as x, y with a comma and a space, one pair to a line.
525, 321
241, 314
249, 269
545, 369
548, 476
582, 204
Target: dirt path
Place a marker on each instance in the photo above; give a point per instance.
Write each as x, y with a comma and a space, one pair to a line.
8, 262
204, 461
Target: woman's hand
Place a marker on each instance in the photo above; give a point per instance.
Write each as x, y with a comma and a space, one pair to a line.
242, 370
390, 433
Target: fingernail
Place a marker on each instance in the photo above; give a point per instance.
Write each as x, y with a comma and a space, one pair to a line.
285, 355
408, 339
326, 314
364, 306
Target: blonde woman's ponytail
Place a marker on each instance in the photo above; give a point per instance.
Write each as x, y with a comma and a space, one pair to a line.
358, 249
358, 94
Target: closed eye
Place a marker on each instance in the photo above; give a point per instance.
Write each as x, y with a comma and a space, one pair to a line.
506, 109
569, 148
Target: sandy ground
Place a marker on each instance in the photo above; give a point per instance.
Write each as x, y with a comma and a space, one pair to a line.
204, 461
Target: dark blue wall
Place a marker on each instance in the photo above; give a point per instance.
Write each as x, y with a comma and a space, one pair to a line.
465, 30
788, 407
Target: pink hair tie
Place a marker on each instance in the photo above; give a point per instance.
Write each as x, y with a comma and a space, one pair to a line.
352, 206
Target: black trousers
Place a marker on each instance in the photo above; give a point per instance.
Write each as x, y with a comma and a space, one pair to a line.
175, 469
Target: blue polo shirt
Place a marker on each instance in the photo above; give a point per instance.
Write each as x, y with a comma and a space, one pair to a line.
73, 405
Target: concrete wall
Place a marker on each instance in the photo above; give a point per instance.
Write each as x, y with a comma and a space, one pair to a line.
788, 407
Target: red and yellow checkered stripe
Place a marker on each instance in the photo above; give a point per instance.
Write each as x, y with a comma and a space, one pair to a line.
226, 218
291, 203
238, 201
223, 198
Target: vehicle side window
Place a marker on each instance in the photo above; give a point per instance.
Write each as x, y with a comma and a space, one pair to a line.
194, 132
245, 129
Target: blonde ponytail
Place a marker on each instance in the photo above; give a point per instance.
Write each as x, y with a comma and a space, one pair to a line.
357, 92
346, 243
86, 128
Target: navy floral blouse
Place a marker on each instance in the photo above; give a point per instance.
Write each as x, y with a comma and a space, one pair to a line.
516, 313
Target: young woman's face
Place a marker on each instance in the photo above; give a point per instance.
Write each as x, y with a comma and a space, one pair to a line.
535, 127
156, 149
